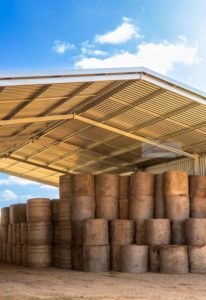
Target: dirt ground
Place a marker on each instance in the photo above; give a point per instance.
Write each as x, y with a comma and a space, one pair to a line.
20, 283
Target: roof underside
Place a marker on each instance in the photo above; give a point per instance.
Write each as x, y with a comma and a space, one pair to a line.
95, 122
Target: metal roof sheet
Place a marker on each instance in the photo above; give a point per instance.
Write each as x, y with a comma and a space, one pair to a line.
95, 121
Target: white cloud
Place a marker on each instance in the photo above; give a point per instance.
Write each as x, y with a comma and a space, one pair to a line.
47, 187
99, 52
123, 33
160, 57
7, 195
61, 47
12, 180
90, 49
182, 38
96, 52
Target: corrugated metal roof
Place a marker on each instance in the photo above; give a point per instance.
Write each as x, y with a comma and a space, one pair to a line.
95, 121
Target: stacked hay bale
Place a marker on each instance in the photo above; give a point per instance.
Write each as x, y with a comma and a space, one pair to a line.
123, 197
13, 231
65, 194
77, 203
56, 231
163, 236
141, 196
188, 251
24, 242
170, 254
198, 196
39, 233
141, 221
196, 227
5, 219
9, 247
121, 233
90, 238
171, 209
96, 250
134, 257
18, 244
106, 196
158, 233
196, 239
141, 193
111, 203
26, 233
173, 259
177, 204
77, 245
159, 205
82, 209
17, 215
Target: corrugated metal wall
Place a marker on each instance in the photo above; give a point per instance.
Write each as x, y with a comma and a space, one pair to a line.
185, 164
203, 164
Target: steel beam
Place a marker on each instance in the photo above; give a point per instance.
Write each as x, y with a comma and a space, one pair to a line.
152, 121
35, 120
38, 164
132, 136
102, 96
54, 106
184, 109
20, 160
176, 111
123, 133
157, 118
116, 113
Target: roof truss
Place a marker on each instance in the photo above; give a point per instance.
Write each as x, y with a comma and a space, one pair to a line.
95, 122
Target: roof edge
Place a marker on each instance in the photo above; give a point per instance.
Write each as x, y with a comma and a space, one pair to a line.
86, 75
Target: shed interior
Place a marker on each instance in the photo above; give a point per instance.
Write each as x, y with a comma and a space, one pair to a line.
97, 121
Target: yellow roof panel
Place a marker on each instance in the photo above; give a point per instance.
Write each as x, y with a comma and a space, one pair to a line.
95, 121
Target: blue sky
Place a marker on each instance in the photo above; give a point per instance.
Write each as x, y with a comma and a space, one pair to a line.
166, 36
18, 190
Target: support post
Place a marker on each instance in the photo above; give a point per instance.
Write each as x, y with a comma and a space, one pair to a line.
196, 164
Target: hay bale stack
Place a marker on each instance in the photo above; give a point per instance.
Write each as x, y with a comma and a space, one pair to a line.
176, 195
107, 196
63, 252
173, 259
159, 206
39, 233
134, 259
121, 233
96, 249
141, 196
123, 196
